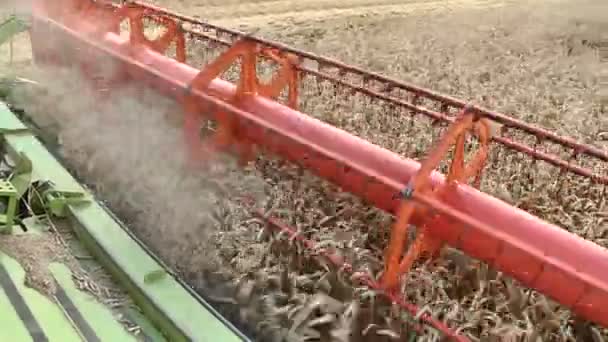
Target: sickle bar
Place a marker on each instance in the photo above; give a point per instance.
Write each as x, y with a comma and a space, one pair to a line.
540, 255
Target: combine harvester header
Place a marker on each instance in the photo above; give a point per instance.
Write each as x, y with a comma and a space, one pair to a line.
253, 117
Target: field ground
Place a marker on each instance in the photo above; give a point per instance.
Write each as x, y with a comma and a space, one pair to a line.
303, 14
472, 49
536, 60
450, 46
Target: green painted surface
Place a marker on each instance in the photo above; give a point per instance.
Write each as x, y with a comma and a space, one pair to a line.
50, 317
136, 317
21, 175
8, 193
164, 301
11, 328
180, 306
10, 123
98, 316
10, 27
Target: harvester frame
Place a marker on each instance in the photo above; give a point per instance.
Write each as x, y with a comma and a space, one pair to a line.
252, 116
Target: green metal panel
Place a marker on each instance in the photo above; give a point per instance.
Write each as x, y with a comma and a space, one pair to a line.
9, 193
28, 315
11, 326
47, 316
9, 123
97, 317
176, 311
10, 27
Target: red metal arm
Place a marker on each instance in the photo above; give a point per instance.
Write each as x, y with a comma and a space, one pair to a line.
426, 242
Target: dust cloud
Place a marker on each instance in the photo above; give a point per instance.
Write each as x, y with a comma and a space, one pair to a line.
126, 143
129, 149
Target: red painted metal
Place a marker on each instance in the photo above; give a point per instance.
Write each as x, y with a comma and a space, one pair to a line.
135, 16
540, 255
426, 242
411, 99
249, 85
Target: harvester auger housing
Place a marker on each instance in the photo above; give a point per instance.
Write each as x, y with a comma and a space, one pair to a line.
250, 116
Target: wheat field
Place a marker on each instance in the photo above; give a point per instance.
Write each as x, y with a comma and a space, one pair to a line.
535, 60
